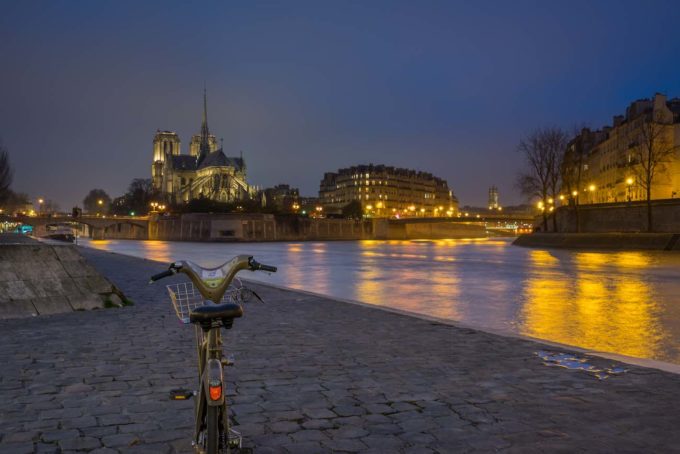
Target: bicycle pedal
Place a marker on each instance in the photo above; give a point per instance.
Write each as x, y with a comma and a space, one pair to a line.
181, 394
234, 439
228, 361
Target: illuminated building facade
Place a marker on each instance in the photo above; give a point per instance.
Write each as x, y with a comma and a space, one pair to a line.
603, 166
385, 191
205, 172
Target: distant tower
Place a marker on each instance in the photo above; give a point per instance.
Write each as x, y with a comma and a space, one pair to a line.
164, 143
493, 198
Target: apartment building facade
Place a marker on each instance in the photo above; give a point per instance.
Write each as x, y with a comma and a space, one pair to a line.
386, 191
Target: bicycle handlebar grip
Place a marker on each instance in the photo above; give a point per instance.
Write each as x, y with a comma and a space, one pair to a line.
257, 266
271, 269
159, 276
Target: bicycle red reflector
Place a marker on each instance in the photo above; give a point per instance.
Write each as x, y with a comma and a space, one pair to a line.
216, 392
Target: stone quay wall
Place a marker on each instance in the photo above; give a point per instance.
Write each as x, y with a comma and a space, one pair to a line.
254, 227
618, 217
395, 230
614, 240
120, 231
40, 279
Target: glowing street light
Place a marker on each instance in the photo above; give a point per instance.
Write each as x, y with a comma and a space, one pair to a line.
591, 188
629, 183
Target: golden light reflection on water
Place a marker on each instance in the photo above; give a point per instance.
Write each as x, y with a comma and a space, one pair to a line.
430, 288
158, 250
599, 304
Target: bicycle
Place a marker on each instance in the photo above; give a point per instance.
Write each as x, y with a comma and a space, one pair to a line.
202, 302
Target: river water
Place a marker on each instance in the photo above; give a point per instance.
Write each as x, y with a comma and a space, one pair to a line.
621, 302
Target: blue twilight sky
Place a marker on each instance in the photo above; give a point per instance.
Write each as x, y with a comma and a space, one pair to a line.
308, 87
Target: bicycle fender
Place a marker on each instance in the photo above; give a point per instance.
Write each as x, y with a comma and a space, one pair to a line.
213, 383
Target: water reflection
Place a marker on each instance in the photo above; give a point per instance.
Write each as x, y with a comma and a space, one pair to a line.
597, 300
615, 301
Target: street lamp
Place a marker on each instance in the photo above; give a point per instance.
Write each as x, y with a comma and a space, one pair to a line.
591, 189
629, 183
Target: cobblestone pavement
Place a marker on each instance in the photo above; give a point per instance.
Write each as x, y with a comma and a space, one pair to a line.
312, 375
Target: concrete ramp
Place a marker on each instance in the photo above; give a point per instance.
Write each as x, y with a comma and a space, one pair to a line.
39, 279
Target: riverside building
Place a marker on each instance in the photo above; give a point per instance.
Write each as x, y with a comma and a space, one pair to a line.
603, 166
385, 191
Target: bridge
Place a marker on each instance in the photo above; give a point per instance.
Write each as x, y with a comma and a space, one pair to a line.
472, 217
96, 227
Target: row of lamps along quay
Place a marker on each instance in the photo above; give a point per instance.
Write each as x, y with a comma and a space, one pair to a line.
591, 188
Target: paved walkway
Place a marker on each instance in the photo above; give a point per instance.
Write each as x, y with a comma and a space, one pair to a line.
312, 376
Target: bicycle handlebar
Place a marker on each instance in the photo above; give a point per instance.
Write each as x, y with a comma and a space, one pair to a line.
213, 286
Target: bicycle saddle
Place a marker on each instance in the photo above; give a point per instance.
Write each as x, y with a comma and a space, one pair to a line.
211, 312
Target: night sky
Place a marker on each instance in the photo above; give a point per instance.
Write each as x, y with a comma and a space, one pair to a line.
308, 87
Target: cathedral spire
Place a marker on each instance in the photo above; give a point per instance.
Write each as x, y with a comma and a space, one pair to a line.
204, 148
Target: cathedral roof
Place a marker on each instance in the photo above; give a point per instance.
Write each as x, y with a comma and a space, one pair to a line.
219, 159
183, 162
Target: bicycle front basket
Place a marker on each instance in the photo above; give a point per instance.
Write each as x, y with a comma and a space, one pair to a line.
185, 298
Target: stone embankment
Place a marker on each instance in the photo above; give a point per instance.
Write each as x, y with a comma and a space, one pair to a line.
312, 375
621, 241
40, 279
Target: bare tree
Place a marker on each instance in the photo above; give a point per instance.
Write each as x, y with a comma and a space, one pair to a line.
543, 150
571, 167
6, 174
652, 147
556, 141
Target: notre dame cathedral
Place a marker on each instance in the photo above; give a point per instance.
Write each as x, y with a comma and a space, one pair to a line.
205, 172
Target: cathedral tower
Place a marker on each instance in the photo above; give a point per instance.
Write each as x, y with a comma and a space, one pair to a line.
164, 143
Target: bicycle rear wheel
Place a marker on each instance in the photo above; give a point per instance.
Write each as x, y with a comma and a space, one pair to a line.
212, 430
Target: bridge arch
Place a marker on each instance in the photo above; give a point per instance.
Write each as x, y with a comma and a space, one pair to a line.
97, 227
